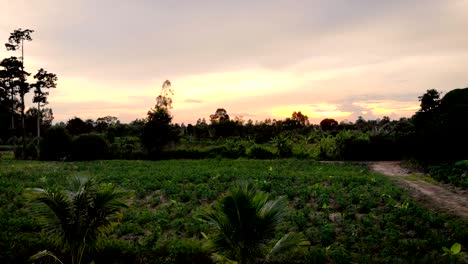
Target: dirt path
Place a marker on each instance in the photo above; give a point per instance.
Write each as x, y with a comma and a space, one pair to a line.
432, 195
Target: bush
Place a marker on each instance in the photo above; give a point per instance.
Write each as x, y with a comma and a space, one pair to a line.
30, 152
233, 149
90, 147
55, 145
127, 148
456, 173
328, 148
283, 146
258, 152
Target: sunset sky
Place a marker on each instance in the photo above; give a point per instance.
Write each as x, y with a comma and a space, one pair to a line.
257, 59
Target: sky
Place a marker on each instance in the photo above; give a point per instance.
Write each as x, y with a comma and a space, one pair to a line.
257, 59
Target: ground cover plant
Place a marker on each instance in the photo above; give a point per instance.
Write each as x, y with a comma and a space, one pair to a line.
347, 213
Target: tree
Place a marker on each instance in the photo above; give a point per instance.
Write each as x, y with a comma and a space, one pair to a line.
102, 123
45, 80
430, 100
46, 118
78, 217
11, 78
219, 116
245, 223
299, 117
328, 124
15, 42
164, 99
158, 132
77, 126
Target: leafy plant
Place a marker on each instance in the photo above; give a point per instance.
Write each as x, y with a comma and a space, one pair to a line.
454, 250
245, 223
283, 146
79, 216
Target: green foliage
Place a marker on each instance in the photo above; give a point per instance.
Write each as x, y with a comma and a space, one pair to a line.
455, 173
367, 219
245, 222
30, 152
283, 146
233, 148
128, 147
328, 148
158, 132
89, 147
259, 152
78, 217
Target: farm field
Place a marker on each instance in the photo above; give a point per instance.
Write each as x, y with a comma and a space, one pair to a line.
348, 213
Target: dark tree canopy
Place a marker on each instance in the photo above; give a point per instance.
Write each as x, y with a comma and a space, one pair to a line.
328, 124
219, 116
17, 37
430, 100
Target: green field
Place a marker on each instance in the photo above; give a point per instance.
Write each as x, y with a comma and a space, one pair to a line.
348, 213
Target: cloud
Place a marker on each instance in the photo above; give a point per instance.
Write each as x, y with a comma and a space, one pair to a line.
266, 58
194, 101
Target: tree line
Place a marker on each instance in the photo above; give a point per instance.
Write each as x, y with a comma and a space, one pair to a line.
15, 121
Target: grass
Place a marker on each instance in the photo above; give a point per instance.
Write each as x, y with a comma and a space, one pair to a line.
348, 213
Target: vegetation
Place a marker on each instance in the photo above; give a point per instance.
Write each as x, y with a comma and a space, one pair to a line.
245, 221
347, 213
78, 217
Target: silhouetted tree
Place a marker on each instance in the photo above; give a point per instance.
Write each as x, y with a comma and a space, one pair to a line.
15, 42
77, 126
219, 115
299, 117
328, 124
31, 117
12, 77
430, 100
158, 132
45, 80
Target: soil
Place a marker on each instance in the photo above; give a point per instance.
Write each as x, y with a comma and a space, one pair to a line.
432, 195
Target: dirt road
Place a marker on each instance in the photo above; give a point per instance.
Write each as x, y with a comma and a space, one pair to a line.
432, 195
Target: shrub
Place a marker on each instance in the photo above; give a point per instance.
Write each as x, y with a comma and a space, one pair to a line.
283, 146
258, 152
127, 148
90, 147
328, 148
233, 149
55, 144
352, 145
456, 173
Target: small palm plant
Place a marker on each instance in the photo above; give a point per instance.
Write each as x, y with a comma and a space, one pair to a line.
245, 222
79, 216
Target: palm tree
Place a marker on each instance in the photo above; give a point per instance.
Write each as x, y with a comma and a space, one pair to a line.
245, 222
78, 217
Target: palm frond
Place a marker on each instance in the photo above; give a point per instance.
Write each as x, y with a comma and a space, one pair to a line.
287, 243
44, 253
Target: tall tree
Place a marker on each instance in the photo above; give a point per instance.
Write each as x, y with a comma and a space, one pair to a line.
45, 80
158, 132
17, 39
11, 77
164, 99
15, 42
